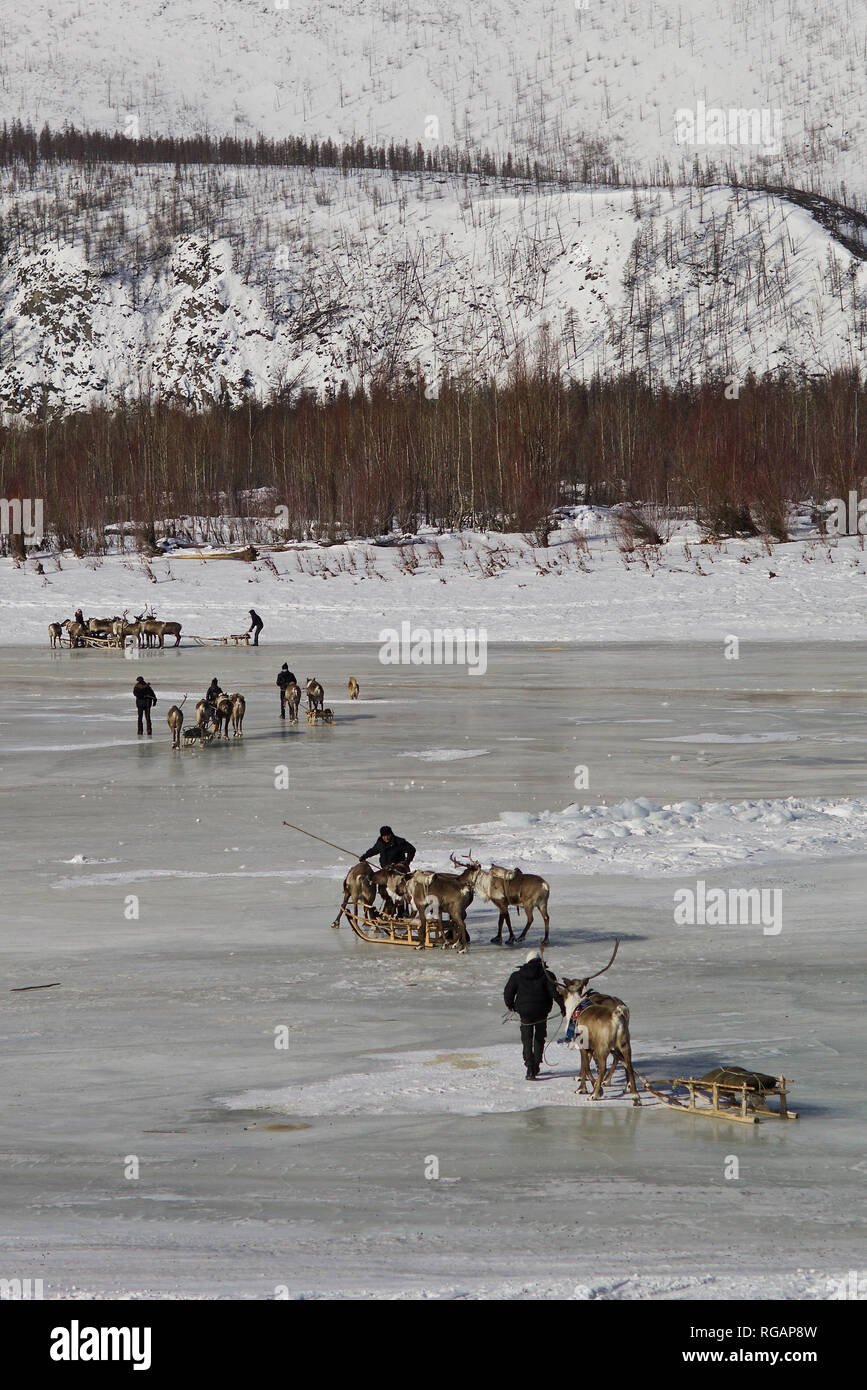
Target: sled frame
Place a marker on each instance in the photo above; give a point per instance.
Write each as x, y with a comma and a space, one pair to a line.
738, 1097
397, 931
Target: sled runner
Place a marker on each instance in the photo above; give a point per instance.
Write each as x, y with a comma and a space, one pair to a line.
726, 1093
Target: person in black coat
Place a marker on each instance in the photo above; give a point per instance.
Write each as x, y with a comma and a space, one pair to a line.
530, 992
285, 678
213, 691
392, 850
144, 700
255, 627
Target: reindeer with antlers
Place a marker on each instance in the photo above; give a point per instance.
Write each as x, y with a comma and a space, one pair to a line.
600, 1024
507, 888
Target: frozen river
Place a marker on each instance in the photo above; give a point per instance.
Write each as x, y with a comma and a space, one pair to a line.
265, 1169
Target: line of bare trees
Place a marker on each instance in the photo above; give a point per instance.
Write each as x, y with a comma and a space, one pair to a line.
500, 458
579, 160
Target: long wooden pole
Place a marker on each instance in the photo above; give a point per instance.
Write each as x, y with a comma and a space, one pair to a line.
330, 843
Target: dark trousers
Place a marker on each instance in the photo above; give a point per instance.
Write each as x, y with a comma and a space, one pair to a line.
533, 1037
256, 631
144, 712
282, 704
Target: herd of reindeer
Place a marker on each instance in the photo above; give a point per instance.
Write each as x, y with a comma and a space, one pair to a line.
403, 891
602, 1031
146, 628
213, 717
604, 1019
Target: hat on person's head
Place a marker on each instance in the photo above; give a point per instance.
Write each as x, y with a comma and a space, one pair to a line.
535, 954
285, 666
386, 830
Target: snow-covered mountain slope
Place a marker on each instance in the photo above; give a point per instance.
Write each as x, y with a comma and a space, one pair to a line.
223, 282
526, 75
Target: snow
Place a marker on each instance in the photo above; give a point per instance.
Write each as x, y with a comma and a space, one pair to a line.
312, 278
446, 755
425, 1083
644, 837
687, 593
524, 75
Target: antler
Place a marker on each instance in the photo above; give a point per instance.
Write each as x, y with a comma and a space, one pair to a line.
585, 982
465, 861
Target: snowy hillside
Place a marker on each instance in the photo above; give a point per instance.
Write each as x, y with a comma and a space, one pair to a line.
527, 75
221, 282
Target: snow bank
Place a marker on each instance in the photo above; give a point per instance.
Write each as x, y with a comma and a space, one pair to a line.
641, 836
353, 592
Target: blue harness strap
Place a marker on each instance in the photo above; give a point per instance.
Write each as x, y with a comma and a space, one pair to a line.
573, 1020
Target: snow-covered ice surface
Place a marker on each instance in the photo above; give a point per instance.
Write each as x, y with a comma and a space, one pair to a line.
262, 1165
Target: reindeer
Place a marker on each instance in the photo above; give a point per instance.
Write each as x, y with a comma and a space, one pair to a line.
453, 894
205, 714
360, 886
293, 700
175, 721
122, 628
524, 891
391, 886
75, 632
602, 1030
148, 631
55, 634
509, 887
315, 694
222, 714
165, 630
239, 706
353, 688
100, 627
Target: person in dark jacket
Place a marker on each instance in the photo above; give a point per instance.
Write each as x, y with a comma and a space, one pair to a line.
144, 700
530, 992
285, 678
255, 627
213, 691
392, 850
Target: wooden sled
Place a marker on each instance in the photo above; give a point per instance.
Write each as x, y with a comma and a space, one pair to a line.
742, 1101
397, 931
91, 639
320, 716
235, 638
